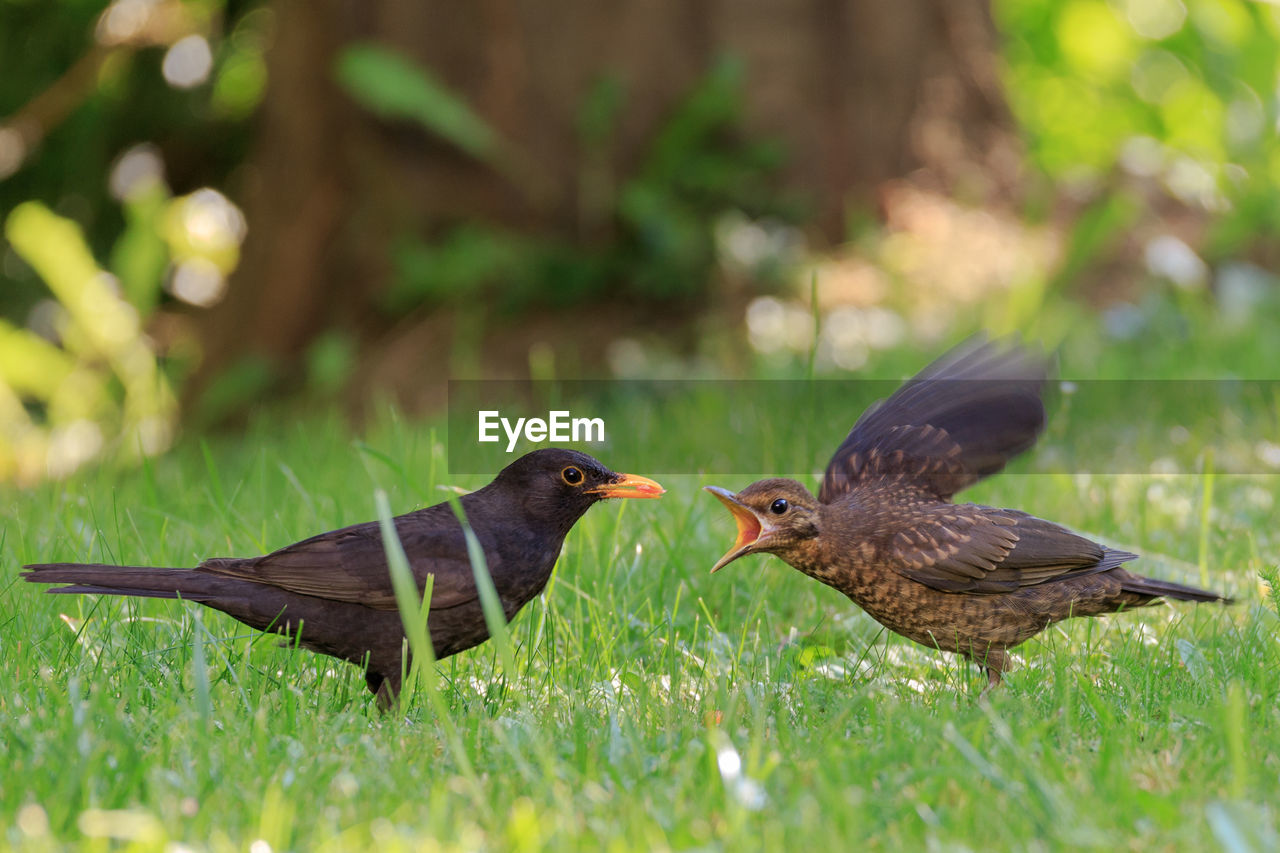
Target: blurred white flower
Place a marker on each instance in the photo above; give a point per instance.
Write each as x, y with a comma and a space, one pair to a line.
188, 62
844, 335
71, 445
1155, 19
1142, 156
1169, 257
1194, 183
747, 791
123, 21
198, 281
883, 328
1241, 289
1269, 453
212, 222
135, 169
746, 244
13, 150
627, 358
773, 325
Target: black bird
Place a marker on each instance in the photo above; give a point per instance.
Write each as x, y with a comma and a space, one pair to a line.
333, 591
969, 579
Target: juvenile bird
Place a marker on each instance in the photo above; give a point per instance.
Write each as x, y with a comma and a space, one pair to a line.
333, 591
969, 579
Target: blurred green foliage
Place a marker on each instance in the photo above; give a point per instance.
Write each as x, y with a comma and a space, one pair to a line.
75, 385
97, 376
102, 109
658, 222
113, 95
1179, 91
393, 87
1115, 98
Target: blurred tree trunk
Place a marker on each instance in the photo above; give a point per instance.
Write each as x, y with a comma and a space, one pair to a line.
860, 93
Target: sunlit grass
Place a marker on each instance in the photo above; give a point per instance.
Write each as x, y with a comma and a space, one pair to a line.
651, 705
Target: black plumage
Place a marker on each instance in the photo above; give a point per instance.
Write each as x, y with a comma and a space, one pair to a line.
334, 593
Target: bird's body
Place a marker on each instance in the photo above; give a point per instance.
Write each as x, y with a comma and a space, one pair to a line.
981, 626
333, 592
963, 578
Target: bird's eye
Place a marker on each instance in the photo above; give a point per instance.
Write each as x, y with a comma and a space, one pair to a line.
571, 475
779, 506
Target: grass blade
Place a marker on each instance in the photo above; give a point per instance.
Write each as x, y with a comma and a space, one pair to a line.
414, 613
200, 670
495, 617
1206, 510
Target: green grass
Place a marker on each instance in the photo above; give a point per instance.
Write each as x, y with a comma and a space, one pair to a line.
649, 706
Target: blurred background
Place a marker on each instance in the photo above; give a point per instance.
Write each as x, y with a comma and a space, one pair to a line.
214, 208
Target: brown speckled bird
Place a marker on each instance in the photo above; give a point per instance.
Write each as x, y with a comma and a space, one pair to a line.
333, 591
963, 578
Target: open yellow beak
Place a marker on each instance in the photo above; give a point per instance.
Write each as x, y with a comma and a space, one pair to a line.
629, 486
750, 527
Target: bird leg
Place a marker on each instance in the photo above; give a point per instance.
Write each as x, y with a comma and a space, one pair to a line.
996, 663
387, 691
993, 681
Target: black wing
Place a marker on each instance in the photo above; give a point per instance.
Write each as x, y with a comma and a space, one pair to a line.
351, 565
960, 419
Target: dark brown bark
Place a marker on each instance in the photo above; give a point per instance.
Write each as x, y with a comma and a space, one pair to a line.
859, 93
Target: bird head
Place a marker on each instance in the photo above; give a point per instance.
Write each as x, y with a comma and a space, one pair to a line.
561, 484
773, 516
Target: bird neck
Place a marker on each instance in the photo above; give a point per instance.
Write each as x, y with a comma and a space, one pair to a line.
518, 518
822, 555
801, 548
806, 555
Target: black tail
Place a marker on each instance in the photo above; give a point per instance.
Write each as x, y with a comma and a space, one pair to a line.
102, 578
1168, 589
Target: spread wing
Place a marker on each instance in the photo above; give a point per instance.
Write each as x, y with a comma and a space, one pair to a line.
350, 564
960, 419
971, 548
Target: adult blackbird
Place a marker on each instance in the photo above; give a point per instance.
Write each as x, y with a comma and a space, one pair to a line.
333, 591
968, 579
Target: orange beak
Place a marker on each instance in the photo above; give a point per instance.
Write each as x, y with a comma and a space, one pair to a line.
750, 527
629, 486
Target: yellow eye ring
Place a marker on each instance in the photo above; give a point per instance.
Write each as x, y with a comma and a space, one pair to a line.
572, 475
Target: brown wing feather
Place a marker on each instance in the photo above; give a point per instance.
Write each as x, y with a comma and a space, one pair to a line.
960, 419
350, 565
973, 548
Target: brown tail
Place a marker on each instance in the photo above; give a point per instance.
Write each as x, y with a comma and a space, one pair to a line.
1168, 589
102, 578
